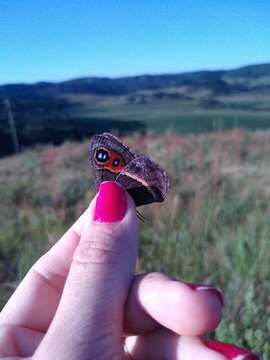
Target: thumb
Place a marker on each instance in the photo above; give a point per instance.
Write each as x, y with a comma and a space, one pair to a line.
89, 317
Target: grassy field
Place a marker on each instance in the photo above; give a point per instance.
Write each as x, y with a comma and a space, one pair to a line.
196, 114
199, 102
213, 228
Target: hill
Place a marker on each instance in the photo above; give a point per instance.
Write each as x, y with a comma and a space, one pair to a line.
189, 102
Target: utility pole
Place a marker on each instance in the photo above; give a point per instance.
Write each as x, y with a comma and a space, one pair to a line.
12, 126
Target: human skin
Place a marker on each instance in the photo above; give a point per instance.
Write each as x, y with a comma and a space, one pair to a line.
81, 300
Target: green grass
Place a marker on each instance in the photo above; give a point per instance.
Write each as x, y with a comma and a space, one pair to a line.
213, 228
181, 116
58, 115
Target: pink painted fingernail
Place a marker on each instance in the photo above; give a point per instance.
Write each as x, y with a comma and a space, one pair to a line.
111, 203
214, 290
232, 352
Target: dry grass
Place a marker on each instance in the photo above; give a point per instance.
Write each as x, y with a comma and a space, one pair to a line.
214, 227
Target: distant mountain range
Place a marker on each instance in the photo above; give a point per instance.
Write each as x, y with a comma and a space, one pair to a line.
247, 78
74, 109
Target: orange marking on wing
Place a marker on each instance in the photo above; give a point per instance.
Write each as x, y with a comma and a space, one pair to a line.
109, 164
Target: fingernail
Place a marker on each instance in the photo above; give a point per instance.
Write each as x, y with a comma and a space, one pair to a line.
232, 352
111, 203
214, 290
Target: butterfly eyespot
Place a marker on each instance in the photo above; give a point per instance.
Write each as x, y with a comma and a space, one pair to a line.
102, 155
116, 162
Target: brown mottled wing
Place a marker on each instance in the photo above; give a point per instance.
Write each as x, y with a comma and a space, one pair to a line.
109, 142
145, 181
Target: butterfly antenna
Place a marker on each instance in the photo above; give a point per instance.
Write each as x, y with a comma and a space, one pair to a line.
140, 216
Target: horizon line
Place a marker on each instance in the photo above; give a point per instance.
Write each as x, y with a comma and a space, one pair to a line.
129, 75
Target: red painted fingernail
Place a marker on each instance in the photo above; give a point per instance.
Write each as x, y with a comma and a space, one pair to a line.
111, 203
232, 352
202, 287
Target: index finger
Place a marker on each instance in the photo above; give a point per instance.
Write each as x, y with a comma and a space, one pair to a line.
155, 299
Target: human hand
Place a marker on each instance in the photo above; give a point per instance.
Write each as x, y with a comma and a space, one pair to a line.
81, 300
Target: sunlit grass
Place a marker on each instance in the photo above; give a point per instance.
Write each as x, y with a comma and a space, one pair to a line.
213, 228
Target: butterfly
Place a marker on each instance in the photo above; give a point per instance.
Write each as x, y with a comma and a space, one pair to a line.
142, 178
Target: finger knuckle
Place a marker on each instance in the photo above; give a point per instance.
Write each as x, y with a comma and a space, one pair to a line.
96, 249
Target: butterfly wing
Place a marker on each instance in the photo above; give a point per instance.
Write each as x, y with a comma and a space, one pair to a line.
145, 181
105, 151
111, 160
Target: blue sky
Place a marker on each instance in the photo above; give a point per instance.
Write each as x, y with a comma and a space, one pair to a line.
57, 39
